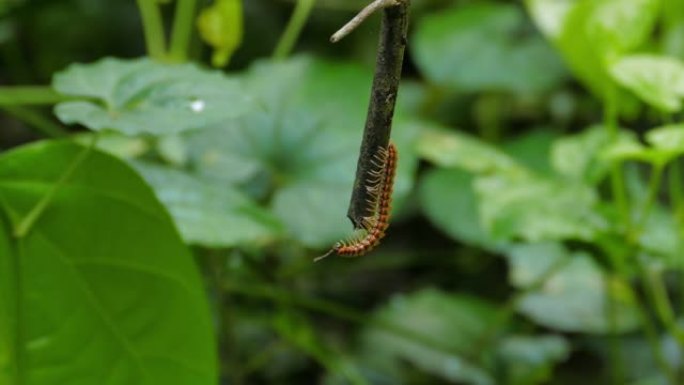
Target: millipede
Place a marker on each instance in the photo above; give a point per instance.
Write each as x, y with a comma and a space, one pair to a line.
380, 188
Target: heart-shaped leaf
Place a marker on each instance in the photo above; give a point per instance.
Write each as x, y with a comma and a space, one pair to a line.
144, 97
574, 293
106, 290
208, 213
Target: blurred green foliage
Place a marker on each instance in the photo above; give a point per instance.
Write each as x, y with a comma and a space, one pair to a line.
163, 228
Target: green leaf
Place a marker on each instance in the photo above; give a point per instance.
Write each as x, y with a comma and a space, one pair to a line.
537, 209
661, 238
451, 324
8, 297
448, 200
172, 150
657, 80
550, 15
106, 282
305, 168
574, 294
530, 360
579, 156
590, 34
144, 97
456, 149
666, 144
208, 213
627, 147
299, 153
449, 50
673, 28
618, 26
124, 147
667, 139
220, 26
532, 149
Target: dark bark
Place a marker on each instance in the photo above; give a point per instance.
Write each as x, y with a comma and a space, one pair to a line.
376, 135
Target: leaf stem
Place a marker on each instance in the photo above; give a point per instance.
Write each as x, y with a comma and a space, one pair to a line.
153, 28
653, 339
181, 35
294, 28
361, 17
24, 226
616, 175
651, 197
677, 203
29, 95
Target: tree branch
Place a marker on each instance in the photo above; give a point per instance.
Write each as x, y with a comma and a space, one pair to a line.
390, 57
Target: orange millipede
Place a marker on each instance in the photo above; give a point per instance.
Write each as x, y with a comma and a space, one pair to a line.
380, 188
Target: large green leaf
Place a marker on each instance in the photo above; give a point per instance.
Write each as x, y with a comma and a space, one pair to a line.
657, 80
459, 150
591, 33
451, 324
574, 292
448, 200
145, 97
537, 209
109, 293
485, 46
7, 306
208, 213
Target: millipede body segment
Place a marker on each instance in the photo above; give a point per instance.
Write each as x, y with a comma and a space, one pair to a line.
380, 188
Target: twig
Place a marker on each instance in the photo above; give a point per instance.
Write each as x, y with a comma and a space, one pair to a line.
361, 17
388, 67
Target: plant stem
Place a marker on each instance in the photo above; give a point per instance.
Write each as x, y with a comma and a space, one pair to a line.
37, 121
181, 34
651, 197
653, 339
676, 192
657, 292
24, 226
282, 297
153, 28
294, 28
677, 203
29, 95
225, 319
617, 368
616, 176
